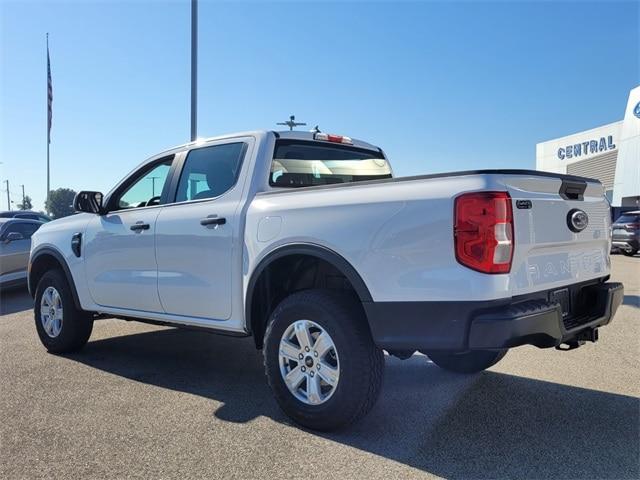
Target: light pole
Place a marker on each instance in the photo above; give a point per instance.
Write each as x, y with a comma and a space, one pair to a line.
193, 185
8, 196
194, 69
23, 197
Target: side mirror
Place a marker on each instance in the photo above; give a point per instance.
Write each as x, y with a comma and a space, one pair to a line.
13, 236
90, 202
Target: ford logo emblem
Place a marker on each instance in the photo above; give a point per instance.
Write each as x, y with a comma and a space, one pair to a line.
636, 110
577, 220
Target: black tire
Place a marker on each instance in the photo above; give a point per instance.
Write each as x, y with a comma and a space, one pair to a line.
361, 362
76, 324
630, 253
472, 361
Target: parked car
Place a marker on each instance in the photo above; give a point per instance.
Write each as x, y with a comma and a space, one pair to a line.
306, 242
15, 243
626, 233
41, 217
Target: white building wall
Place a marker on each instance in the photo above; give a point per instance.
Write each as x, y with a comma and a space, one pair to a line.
610, 153
627, 178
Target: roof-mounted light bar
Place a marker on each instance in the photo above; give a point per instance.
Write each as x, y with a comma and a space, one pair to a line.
328, 137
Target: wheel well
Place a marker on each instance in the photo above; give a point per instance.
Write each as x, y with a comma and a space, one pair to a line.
291, 273
50, 260
39, 267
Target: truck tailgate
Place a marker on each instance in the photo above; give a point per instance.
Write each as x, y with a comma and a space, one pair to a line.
549, 250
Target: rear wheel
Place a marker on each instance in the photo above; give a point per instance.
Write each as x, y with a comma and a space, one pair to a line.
61, 326
320, 360
472, 361
630, 253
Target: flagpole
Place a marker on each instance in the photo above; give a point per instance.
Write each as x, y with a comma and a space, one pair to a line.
46, 204
48, 127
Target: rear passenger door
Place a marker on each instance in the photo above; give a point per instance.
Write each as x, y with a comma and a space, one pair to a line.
198, 235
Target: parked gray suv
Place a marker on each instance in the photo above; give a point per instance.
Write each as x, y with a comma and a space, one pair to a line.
626, 233
15, 243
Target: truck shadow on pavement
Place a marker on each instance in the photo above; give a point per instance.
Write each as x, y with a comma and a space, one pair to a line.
15, 300
633, 300
484, 426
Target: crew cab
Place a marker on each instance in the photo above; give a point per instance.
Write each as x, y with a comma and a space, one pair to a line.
307, 242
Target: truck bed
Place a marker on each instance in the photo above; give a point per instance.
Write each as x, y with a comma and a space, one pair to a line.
398, 233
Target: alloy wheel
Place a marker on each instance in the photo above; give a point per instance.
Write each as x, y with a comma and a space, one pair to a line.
51, 312
309, 362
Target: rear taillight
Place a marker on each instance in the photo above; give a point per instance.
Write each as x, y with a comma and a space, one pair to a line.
483, 231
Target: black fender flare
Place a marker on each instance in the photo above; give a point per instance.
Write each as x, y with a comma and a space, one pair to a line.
49, 251
314, 250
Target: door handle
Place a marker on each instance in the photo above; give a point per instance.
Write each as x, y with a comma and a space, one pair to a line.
137, 227
213, 220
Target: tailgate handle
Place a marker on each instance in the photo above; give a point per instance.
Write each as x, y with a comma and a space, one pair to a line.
572, 189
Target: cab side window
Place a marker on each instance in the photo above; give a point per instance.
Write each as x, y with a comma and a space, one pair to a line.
146, 189
210, 171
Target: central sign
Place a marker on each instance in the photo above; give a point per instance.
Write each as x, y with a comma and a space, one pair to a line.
587, 148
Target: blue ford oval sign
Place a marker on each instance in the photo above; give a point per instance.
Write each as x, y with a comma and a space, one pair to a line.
636, 110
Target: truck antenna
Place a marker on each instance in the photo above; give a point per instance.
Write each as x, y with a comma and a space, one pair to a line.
291, 123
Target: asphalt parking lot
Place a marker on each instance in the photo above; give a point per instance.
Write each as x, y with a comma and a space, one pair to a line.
142, 401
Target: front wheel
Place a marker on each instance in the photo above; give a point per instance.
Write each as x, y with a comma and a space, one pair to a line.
61, 326
472, 361
321, 362
630, 253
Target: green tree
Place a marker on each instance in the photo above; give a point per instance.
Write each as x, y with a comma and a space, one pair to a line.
26, 205
60, 202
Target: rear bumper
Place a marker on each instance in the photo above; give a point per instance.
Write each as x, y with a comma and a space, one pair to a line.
626, 243
526, 320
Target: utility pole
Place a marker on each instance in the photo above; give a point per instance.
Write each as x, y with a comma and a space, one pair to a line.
23, 197
153, 185
194, 69
8, 196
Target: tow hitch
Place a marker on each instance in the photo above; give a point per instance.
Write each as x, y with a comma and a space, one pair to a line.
588, 335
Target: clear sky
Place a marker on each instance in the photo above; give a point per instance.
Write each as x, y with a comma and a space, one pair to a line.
439, 85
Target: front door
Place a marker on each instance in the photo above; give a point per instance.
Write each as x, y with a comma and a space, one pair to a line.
195, 235
119, 246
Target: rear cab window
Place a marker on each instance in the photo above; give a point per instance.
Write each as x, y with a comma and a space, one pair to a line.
299, 163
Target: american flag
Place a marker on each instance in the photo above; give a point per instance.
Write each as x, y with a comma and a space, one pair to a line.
49, 94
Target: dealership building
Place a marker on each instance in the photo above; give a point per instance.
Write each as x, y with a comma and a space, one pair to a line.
610, 153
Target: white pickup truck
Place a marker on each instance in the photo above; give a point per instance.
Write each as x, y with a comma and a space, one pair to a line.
306, 242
